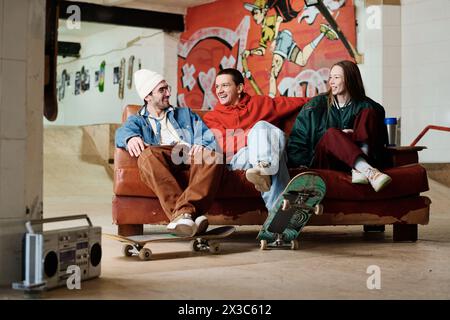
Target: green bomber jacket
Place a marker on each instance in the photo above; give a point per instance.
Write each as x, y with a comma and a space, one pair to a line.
313, 121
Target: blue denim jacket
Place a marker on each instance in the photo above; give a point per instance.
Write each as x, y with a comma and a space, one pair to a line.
188, 124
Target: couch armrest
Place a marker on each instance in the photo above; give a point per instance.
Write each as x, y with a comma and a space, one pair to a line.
404, 155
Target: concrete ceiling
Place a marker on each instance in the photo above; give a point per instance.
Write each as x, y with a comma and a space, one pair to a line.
171, 6
90, 28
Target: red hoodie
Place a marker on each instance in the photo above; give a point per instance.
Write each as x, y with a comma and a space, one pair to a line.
245, 114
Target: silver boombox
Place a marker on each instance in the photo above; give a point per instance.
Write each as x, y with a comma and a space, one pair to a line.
49, 254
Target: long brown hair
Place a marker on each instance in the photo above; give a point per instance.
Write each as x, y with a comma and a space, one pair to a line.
352, 81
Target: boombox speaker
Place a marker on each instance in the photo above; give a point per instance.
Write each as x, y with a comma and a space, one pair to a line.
48, 255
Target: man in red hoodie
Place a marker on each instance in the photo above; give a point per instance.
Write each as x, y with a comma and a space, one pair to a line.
246, 129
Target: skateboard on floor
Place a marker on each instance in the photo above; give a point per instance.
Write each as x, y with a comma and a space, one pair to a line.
208, 241
294, 207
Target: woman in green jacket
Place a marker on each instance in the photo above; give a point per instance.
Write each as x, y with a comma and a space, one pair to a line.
342, 130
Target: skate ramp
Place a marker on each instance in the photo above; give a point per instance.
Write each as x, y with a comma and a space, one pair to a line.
76, 180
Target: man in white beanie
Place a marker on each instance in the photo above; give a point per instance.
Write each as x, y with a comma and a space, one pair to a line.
157, 135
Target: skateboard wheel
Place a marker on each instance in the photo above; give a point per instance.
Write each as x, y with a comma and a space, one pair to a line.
195, 245
318, 209
263, 244
145, 254
294, 245
214, 247
286, 205
127, 250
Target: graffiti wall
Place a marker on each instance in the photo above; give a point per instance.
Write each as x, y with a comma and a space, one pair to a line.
282, 47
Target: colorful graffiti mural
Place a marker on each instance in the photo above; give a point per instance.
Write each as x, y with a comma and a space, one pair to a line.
282, 47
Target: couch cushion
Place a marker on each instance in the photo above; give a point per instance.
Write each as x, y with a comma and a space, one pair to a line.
127, 181
406, 180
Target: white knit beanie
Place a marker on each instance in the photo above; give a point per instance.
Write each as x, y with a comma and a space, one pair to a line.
145, 81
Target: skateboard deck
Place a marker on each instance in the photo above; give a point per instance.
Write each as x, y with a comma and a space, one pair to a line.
135, 245
294, 207
248, 74
121, 78
130, 72
101, 77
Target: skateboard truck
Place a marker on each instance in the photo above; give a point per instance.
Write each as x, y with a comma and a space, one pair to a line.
299, 199
200, 244
279, 243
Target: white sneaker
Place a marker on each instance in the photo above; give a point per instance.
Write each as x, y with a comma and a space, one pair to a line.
377, 179
259, 177
358, 177
183, 225
202, 224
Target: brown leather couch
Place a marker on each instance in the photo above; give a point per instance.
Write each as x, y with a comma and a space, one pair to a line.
238, 203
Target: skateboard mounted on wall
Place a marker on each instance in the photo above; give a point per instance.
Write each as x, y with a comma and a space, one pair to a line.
101, 77
121, 78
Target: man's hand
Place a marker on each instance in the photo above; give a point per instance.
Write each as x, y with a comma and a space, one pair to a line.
246, 53
195, 149
347, 130
135, 146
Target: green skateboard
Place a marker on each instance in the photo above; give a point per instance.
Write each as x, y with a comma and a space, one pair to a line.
294, 207
101, 77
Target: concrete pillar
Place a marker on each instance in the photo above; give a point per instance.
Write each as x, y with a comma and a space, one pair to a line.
22, 39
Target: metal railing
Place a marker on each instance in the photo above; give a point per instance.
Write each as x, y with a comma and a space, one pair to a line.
425, 130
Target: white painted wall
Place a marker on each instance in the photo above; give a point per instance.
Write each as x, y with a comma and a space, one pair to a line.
369, 40
379, 39
405, 68
425, 75
94, 107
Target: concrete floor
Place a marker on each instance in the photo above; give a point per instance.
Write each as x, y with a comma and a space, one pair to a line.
331, 263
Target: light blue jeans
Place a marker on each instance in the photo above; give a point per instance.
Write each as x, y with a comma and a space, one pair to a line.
265, 142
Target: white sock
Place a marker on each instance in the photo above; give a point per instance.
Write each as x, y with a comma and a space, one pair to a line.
361, 165
365, 148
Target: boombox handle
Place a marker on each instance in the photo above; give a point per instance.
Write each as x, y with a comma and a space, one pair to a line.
28, 224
